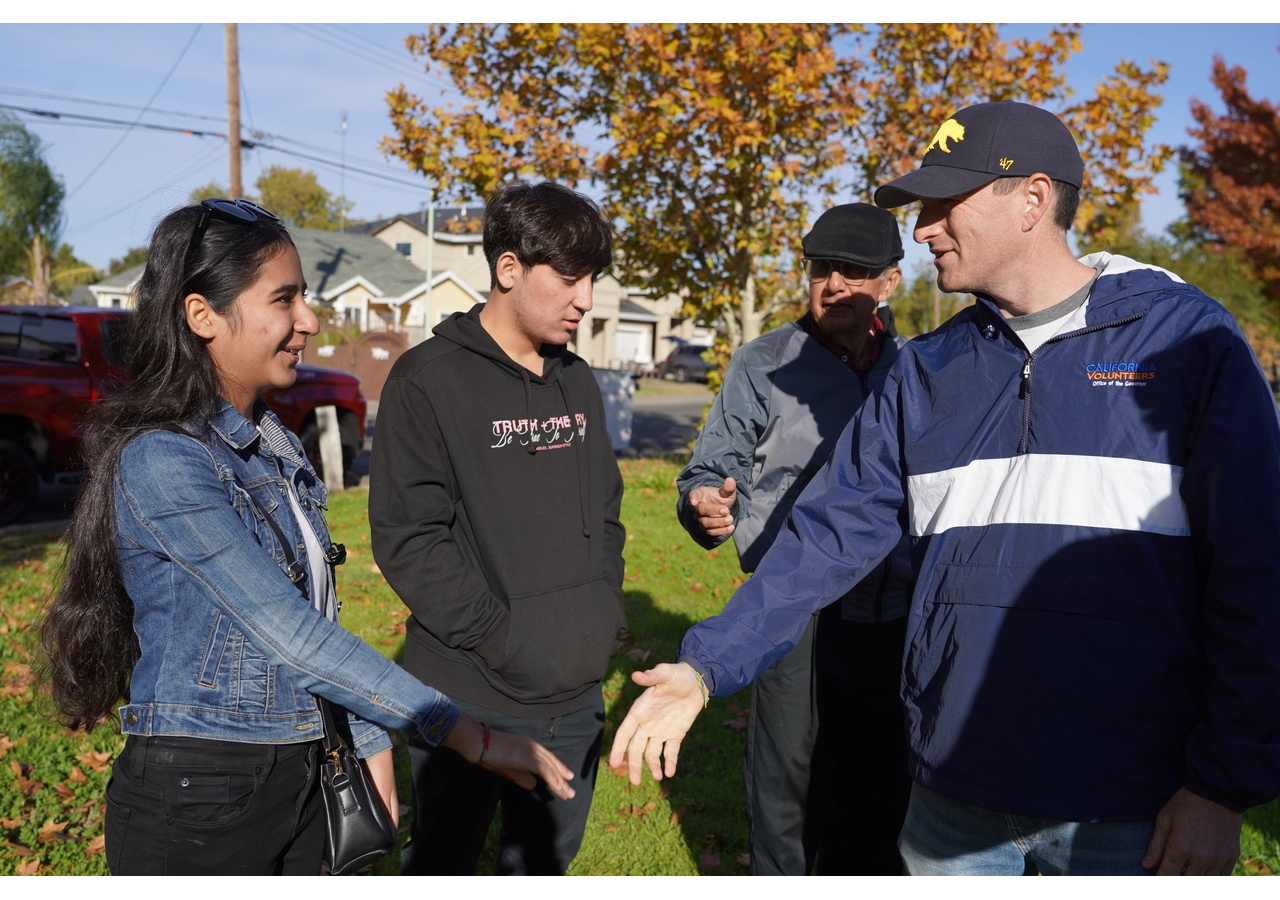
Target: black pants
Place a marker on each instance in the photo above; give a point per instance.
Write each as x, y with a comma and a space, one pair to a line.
860, 762
454, 802
188, 806
783, 821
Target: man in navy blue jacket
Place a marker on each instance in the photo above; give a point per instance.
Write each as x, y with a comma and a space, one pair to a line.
1087, 461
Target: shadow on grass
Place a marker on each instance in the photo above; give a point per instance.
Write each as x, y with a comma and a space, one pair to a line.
702, 806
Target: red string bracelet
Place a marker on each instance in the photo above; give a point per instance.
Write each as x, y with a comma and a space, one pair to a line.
484, 728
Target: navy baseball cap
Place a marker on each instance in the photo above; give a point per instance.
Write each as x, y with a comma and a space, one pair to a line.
981, 143
857, 233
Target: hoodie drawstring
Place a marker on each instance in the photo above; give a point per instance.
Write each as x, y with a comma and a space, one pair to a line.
579, 448
528, 405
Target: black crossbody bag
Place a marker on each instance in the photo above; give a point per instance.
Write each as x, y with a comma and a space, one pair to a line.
359, 831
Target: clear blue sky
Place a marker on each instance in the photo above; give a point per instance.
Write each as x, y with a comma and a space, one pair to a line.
299, 80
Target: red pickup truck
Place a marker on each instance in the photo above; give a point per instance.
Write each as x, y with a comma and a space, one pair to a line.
57, 361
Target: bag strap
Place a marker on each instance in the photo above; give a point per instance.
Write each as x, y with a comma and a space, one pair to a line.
332, 741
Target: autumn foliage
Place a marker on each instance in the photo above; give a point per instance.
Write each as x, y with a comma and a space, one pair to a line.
712, 145
1231, 180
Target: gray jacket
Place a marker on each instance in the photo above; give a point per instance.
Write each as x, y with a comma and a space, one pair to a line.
784, 402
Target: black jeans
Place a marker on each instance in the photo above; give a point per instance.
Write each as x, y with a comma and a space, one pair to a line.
860, 762
188, 806
454, 801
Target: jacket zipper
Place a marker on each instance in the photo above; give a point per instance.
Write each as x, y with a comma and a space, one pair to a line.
1024, 389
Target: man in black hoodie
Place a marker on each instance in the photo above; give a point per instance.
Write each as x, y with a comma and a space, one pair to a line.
494, 498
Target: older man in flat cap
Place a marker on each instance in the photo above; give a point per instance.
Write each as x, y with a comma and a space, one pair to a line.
825, 765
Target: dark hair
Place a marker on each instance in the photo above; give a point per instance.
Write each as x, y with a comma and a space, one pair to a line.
1066, 198
88, 638
546, 224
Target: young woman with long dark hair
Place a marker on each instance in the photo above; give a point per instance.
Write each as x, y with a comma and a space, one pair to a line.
198, 583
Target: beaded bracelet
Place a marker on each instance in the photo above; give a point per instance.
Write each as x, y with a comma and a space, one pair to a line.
702, 686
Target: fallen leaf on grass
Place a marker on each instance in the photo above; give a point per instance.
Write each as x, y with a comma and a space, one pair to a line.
638, 654
26, 786
5, 743
97, 760
52, 831
97, 845
10, 823
638, 812
1255, 867
708, 862
29, 867
77, 775
19, 849
744, 860
738, 722
610, 829
64, 792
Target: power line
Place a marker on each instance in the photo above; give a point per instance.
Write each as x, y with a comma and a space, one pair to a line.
52, 116
378, 58
102, 122
90, 101
156, 94
187, 169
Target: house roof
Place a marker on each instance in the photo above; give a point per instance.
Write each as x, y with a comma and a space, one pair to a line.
634, 312
331, 259
444, 217
123, 279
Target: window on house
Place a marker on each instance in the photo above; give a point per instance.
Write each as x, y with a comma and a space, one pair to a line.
404, 249
471, 249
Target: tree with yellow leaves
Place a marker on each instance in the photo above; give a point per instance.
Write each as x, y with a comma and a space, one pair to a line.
711, 144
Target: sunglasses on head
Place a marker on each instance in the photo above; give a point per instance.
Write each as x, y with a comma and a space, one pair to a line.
821, 269
239, 211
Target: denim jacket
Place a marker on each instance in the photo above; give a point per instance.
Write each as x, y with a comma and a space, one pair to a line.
232, 650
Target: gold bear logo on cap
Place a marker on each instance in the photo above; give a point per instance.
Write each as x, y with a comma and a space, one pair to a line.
950, 130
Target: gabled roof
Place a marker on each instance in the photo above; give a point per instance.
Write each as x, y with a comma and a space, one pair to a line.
634, 312
332, 259
445, 216
122, 280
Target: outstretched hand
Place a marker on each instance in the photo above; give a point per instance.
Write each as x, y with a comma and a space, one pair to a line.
713, 507
658, 721
519, 758
1194, 836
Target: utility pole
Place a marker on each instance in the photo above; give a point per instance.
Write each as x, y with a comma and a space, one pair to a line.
233, 108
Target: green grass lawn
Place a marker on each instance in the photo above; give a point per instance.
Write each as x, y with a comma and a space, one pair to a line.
52, 781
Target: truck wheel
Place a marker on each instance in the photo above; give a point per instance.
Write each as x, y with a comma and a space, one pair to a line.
348, 434
681, 374
19, 481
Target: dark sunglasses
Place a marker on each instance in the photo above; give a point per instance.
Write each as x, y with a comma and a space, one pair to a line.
239, 210
853, 273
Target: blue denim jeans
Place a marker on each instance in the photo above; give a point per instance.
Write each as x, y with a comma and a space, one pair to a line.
943, 836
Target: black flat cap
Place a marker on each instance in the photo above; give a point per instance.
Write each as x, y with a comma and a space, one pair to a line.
857, 233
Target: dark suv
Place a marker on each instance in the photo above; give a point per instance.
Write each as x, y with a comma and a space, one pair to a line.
686, 363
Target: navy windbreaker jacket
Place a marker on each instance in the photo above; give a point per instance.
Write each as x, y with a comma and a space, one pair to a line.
1096, 538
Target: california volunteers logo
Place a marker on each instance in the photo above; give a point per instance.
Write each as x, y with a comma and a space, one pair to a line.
950, 130
1120, 374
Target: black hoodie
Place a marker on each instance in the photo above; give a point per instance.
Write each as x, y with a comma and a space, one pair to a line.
494, 498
